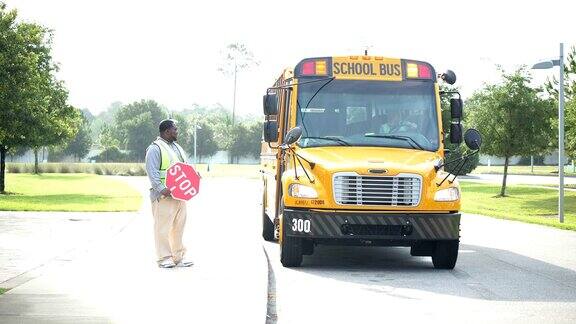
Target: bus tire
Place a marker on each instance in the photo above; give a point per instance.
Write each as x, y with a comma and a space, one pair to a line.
267, 224
267, 228
445, 254
291, 251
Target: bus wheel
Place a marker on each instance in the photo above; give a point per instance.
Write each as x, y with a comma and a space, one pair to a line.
291, 251
267, 225
445, 254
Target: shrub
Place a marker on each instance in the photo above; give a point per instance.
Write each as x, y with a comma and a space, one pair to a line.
65, 168
28, 168
49, 168
14, 168
98, 170
111, 154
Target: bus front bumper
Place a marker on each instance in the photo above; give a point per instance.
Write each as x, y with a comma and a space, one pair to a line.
396, 226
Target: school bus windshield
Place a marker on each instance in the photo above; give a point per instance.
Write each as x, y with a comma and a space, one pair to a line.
368, 113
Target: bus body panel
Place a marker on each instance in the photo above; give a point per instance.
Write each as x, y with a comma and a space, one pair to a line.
323, 218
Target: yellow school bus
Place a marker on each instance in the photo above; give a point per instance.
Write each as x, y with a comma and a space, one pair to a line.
353, 154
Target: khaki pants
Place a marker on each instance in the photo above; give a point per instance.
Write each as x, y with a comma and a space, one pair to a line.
169, 220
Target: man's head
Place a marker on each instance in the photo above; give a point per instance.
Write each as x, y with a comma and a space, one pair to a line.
394, 117
168, 130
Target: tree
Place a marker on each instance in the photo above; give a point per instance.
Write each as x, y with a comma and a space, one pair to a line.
254, 140
108, 137
551, 87
103, 119
206, 145
512, 118
570, 122
111, 154
80, 145
31, 99
237, 57
185, 132
137, 126
54, 122
238, 145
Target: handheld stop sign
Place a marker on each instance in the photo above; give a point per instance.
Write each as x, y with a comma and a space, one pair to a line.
183, 181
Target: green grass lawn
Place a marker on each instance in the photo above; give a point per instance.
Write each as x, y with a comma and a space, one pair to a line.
3, 290
68, 192
524, 203
523, 169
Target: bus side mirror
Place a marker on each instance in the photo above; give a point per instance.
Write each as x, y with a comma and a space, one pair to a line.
473, 139
292, 137
456, 133
456, 108
270, 104
270, 131
449, 77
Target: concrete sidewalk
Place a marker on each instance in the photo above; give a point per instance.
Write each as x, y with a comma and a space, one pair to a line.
118, 281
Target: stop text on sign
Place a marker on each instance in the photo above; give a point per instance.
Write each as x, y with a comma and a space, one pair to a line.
181, 181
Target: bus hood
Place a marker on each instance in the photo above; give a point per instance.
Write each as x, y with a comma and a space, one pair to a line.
385, 160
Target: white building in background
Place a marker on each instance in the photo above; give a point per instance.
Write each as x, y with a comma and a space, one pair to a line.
550, 159
28, 157
221, 157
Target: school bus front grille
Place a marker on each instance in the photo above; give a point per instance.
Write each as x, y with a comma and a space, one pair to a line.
401, 190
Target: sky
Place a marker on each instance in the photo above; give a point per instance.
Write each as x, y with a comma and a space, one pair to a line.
170, 51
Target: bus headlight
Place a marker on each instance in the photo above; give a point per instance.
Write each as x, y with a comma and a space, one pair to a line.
450, 194
302, 191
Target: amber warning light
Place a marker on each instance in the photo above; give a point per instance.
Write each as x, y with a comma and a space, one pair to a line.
418, 71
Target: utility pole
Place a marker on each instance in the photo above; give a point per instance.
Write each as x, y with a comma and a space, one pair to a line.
234, 100
561, 136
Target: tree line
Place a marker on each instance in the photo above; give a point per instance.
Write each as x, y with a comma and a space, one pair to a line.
123, 132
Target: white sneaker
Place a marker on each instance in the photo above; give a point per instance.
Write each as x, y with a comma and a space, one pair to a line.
184, 263
167, 263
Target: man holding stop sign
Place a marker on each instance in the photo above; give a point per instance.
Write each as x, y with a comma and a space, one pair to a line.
173, 183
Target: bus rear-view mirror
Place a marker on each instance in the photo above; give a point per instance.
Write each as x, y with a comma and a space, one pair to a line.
270, 131
473, 139
449, 77
456, 133
456, 108
270, 104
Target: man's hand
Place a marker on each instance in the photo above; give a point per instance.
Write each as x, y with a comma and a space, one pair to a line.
166, 192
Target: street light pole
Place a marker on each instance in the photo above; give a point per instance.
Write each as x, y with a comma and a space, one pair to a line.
548, 65
195, 160
195, 135
234, 100
561, 136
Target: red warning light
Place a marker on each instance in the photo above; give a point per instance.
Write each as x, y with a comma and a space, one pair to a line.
309, 68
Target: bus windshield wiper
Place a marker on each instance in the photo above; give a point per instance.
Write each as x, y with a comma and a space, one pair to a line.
330, 138
408, 139
309, 101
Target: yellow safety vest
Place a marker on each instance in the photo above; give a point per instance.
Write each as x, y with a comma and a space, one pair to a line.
168, 157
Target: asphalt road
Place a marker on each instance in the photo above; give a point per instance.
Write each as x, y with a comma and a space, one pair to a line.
116, 280
507, 272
